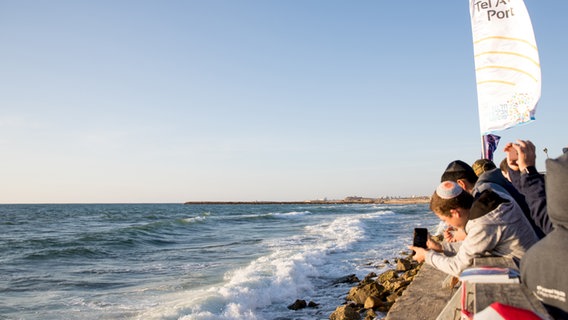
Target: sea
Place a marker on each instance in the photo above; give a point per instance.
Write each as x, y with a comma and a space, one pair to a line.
179, 261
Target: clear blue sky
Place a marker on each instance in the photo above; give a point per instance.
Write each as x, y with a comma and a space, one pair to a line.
172, 101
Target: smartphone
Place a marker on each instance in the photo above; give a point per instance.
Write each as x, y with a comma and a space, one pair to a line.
420, 237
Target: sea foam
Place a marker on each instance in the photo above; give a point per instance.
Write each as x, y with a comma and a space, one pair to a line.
285, 274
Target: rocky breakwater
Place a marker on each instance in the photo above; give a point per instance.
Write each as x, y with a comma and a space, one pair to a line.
377, 293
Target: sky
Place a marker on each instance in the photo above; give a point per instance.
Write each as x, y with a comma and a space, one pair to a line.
224, 100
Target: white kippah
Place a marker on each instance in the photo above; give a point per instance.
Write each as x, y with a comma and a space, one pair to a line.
448, 190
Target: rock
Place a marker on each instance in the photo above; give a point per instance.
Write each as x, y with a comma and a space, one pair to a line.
372, 302
369, 277
371, 314
379, 294
403, 265
298, 304
392, 297
409, 275
360, 293
386, 261
385, 307
352, 278
387, 275
394, 285
312, 304
412, 272
346, 312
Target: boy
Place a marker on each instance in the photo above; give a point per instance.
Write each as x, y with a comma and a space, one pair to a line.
493, 222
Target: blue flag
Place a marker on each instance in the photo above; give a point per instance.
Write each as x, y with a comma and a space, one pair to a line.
490, 142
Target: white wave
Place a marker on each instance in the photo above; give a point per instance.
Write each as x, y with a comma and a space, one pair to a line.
271, 214
293, 213
341, 231
246, 216
377, 214
194, 219
278, 278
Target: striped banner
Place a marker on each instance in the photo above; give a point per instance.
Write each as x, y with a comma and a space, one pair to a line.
507, 66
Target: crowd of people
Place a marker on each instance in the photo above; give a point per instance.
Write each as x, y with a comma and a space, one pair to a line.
511, 211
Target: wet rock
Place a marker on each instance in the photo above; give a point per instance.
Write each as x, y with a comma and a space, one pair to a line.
352, 278
298, 304
312, 304
370, 277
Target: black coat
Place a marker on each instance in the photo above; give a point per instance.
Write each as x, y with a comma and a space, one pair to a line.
544, 265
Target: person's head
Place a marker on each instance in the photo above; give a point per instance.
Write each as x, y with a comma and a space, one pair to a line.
482, 165
556, 185
505, 168
451, 203
461, 173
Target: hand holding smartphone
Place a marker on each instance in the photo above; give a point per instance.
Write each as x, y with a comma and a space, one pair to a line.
420, 238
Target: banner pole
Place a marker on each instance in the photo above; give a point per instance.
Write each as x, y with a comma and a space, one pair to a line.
483, 146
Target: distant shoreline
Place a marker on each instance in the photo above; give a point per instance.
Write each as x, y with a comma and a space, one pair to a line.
410, 200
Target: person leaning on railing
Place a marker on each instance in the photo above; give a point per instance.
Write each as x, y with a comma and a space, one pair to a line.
494, 224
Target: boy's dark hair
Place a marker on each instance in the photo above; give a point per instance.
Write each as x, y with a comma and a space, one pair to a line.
459, 170
443, 206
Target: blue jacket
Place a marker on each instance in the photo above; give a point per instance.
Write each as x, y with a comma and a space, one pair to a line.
532, 186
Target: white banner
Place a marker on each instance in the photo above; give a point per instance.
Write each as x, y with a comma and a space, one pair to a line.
507, 66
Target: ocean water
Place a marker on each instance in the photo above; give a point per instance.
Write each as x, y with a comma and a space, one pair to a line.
175, 261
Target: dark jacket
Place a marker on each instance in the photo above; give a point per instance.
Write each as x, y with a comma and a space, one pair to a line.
532, 186
496, 177
543, 267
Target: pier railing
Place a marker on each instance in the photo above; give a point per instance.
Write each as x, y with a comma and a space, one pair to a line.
431, 295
